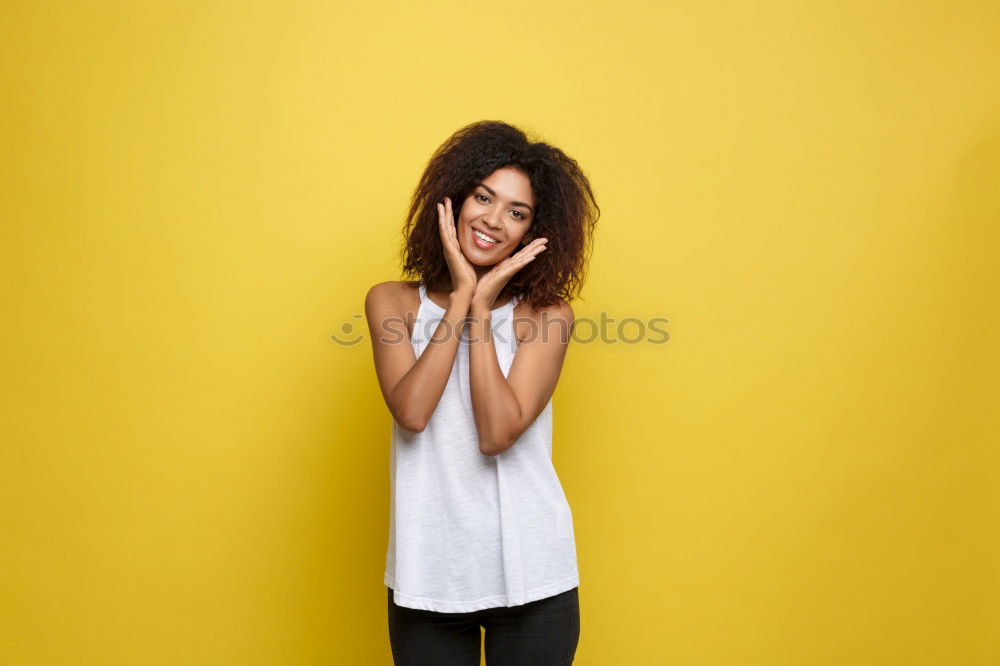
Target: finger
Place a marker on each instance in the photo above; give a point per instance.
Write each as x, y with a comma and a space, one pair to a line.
452, 227
447, 230
518, 263
526, 259
535, 245
531, 255
442, 229
531, 250
537, 249
450, 217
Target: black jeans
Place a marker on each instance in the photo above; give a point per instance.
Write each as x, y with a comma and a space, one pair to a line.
539, 633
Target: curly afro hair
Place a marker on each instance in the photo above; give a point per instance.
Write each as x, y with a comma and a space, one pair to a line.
566, 211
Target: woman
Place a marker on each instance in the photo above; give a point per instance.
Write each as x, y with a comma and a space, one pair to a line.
467, 358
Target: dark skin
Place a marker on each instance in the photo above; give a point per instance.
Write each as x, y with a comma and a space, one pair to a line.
502, 207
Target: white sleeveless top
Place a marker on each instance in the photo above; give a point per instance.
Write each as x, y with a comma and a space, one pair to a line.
469, 531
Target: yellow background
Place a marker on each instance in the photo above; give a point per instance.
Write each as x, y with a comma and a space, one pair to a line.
196, 195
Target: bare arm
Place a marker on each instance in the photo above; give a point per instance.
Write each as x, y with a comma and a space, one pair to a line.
505, 407
412, 386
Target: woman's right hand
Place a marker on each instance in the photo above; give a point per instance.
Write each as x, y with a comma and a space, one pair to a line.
463, 275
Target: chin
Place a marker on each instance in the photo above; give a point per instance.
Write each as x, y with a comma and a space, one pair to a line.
471, 256
481, 264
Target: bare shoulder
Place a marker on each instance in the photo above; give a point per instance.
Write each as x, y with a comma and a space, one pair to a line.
391, 292
528, 319
560, 309
381, 294
393, 298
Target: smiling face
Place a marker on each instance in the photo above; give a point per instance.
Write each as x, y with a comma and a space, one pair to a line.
502, 207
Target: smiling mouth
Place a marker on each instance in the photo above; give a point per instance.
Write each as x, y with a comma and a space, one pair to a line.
480, 242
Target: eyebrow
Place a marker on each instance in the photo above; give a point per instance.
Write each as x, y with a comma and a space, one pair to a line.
512, 203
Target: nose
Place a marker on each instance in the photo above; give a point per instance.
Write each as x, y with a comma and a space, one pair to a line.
492, 219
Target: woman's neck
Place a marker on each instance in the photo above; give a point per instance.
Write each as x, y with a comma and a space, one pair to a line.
446, 289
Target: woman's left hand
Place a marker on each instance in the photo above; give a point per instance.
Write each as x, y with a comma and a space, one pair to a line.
492, 283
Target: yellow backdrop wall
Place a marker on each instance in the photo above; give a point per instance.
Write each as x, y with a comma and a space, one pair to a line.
197, 195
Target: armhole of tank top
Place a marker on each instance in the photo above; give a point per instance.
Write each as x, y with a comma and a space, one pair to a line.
411, 324
514, 342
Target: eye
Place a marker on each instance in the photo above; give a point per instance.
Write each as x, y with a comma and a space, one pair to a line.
485, 199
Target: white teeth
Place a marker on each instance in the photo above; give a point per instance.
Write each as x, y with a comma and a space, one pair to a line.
483, 236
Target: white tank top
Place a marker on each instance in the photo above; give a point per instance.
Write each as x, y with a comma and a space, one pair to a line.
469, 531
